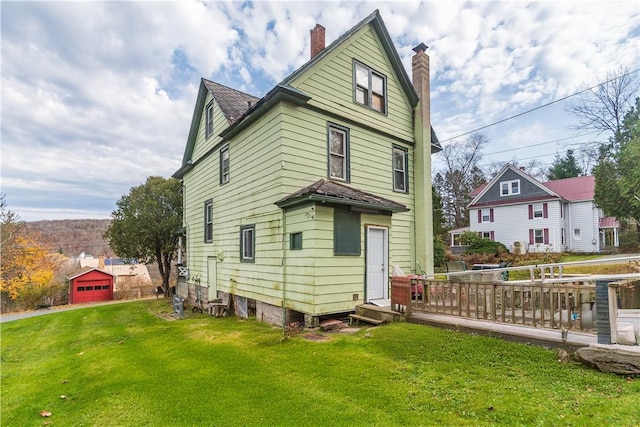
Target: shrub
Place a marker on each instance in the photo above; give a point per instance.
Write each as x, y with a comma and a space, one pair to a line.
486, 246
469, 238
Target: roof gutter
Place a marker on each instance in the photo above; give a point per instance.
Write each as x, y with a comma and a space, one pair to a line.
278, 94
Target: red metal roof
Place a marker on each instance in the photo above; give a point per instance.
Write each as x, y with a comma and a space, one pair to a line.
573, 189
608, 222
478, 189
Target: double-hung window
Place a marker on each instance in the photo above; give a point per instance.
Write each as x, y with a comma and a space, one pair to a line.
370, 87
537, 210
208, 221
247, 243
400, 172
509, 188
224, 165
485, 215
538, 236
338, 152
209, 120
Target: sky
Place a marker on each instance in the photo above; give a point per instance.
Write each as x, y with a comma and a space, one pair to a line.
97, 96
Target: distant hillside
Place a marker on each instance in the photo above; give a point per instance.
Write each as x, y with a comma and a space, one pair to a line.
73, 236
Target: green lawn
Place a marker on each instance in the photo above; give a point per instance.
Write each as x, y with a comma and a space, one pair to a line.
122, 365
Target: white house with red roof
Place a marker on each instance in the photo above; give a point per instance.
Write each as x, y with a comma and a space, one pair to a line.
527, 215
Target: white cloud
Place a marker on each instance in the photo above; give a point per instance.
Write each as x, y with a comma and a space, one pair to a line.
98, 95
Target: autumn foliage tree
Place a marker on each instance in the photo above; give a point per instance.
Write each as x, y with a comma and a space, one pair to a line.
28, 265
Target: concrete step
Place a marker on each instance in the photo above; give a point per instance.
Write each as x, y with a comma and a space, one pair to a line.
365, 319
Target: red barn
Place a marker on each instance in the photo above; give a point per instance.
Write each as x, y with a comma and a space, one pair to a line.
89, 285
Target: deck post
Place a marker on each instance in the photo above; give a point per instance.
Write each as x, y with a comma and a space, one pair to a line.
603, 313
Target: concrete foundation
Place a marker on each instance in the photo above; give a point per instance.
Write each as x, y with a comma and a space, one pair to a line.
273, 315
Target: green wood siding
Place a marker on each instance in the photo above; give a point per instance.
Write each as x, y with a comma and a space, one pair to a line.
283, 151
248, 198
204, 144
316, 280
304, 161
330, 85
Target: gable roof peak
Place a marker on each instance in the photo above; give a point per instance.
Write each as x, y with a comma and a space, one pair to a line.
232, 102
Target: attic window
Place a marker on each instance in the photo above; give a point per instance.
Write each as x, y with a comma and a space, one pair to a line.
509, 188
370, 87
209, 124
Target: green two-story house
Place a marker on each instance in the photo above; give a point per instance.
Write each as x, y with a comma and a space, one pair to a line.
300, 202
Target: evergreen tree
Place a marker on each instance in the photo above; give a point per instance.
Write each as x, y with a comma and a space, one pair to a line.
566, 167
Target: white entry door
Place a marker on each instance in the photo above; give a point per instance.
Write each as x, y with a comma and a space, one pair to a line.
212, 264
377, 263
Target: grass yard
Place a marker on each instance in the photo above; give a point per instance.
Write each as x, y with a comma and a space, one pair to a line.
123, 365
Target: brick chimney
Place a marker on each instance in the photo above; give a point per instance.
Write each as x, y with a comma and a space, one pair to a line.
317, 40
420, 68
423, 207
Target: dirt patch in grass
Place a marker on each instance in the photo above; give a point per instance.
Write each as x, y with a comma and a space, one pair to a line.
315, 337
164, 316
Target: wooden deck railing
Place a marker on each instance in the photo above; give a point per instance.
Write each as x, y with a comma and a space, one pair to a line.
556, 306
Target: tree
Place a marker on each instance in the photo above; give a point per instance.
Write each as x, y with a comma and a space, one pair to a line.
617, 174
144, 225
438, 217
460, 176
603, 107
28, 266
566, 167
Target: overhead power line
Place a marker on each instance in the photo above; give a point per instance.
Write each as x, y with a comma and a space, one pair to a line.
437, 160
541, 106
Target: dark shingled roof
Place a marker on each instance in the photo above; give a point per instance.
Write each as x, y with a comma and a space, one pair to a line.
233, 103
333, 192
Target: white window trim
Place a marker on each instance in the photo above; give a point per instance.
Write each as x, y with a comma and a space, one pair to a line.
576, 236
509, 184
487, 217
538, 213
535, 236
247, 245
